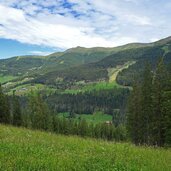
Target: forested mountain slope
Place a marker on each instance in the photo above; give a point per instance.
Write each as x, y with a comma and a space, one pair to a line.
85, 64
98, 71
60, 60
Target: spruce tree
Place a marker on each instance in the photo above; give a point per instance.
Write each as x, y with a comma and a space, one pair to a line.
39, 111
159, 86
4, 108
167, 117
116, 118
149, 109
146, 105
83, 127
16, 111
134, 122
167, 110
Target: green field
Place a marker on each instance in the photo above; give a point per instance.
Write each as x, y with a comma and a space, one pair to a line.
6, 78
27, 88
26, 150
95, 118
93, 86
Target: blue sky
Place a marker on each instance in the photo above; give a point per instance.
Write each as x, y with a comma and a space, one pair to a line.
9, 48
29, 27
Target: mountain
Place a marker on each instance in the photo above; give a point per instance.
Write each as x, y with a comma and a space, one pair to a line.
20, 65
137, 54
68, 68
72, 57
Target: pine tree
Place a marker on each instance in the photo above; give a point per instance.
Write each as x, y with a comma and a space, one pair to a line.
116, 118
146, 105
56, 124
133, 117
4, 108
167, 111
167, 117
39, 111
83, 128
71, 113
149, 110
121, 133
97, 131
159, 84
16, 111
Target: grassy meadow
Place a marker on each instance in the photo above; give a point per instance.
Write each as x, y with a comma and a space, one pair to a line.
6, 78
93, 86
97, 117
27, 150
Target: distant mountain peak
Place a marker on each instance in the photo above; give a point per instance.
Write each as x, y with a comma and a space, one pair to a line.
75, 49
164, 41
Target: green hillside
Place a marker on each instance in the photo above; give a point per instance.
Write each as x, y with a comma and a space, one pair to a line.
79, 68
30, 65
19, 70
22, 149
41, 64
135, 54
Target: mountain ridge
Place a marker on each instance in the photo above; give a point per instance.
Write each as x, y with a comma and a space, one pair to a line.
85, 64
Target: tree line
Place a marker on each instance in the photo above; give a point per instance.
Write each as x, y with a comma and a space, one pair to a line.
10, 111
37, 115
149, 108
90, 101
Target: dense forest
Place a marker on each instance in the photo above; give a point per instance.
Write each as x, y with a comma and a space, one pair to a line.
96, 71
37, 115
66, 70
89, 101
149, 109
147, 120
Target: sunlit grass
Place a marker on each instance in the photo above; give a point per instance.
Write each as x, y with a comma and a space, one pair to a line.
97, 117
93, 86
25, 89
22, 149
6, 78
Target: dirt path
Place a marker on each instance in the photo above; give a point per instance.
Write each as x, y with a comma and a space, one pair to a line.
113, 72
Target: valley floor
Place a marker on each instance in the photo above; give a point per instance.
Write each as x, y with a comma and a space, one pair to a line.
23, 149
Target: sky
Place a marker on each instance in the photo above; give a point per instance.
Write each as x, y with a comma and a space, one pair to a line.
40, 27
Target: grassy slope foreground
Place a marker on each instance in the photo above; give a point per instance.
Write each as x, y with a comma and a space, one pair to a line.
22, 149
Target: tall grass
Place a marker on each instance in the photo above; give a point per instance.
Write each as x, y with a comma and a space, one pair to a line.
95, 118
22, 149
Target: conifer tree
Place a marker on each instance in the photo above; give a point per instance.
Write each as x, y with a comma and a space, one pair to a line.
134, 122
149, 110
83, 127
167, 117
4, 108
55, 124
116, 118
39, 112
16, 111
146, 105
159, 86
167, 110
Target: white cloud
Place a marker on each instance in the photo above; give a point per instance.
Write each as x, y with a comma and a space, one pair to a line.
138, 20
41, 53
84, 23
28, 30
